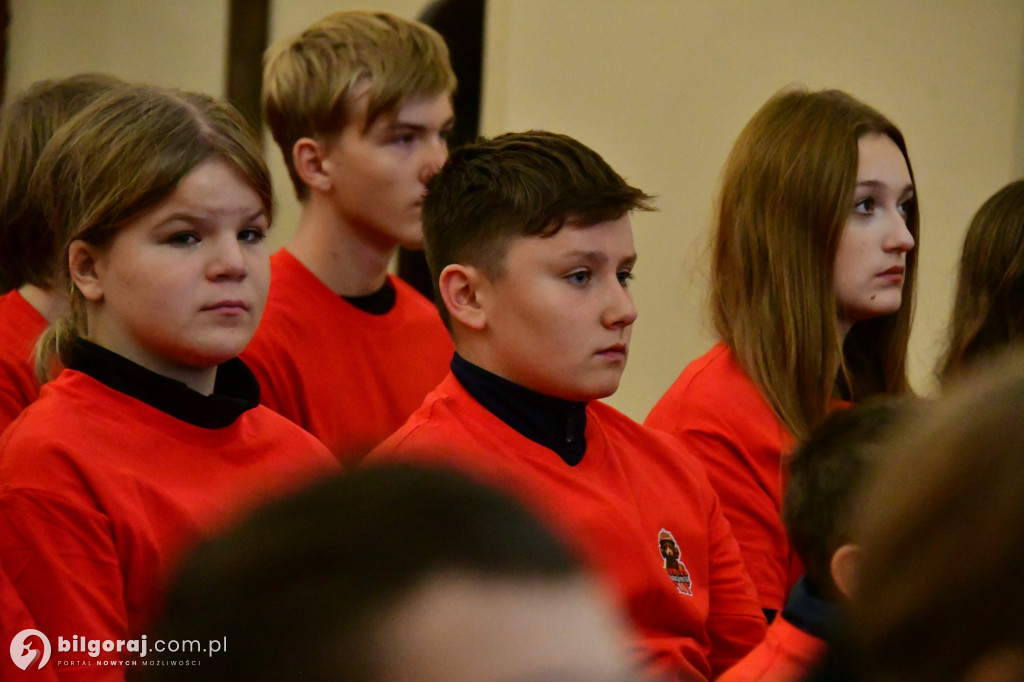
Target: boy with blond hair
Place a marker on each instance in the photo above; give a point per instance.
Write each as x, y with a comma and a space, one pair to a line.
530, 245
360, 105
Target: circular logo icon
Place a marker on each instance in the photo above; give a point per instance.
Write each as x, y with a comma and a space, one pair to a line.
22, 652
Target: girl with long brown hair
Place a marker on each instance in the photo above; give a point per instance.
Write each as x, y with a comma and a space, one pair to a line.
811, 292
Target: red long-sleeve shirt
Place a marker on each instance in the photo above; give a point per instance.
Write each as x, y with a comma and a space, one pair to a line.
347, 376
632, 489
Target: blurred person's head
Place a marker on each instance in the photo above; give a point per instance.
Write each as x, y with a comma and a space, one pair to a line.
394, 573
939, 595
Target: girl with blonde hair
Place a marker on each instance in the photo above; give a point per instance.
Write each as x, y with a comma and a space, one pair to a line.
152, 436
811, 292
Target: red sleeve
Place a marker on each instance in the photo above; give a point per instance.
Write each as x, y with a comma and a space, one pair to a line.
735, 622
751, 507
60, 561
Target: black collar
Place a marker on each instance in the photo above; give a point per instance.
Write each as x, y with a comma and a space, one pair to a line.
552, 422
379, 302
235, 390
809, 611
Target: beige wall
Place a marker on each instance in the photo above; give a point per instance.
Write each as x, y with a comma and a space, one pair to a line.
180, 43
661, 88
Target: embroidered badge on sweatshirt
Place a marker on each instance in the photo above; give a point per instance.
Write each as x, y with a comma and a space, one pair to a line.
674, 566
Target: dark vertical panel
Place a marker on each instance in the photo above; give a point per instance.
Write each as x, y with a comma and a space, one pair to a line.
461, 23
247, 39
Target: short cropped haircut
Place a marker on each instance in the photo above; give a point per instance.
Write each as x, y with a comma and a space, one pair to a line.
826, 472
27, 249
303, 585
309, 79
516, 185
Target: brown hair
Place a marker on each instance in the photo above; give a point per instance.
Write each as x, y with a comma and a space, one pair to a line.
27, 249
942, 531
122, 155
988, 313
515, 185
787, 192
308, 80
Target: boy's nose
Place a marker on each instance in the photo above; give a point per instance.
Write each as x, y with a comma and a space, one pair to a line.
620, 311
434, 157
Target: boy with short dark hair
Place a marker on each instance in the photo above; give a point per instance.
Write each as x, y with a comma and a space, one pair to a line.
825, 473
529, 241
360, 105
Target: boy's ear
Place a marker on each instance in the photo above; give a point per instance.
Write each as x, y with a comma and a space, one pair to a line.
844, 568
308, 157
460, 289
83, 262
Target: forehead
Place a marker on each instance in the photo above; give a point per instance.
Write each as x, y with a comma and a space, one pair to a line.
611, 240
430, 111
880, 158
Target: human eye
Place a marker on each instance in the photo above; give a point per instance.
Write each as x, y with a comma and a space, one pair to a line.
579, 277
252, 234
624, 277
906, 207
183, 239
865, 206
402, 137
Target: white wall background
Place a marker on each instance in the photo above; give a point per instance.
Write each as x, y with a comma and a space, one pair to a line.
661, 88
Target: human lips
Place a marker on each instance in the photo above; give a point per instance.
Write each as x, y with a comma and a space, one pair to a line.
227, 307
614, 352
893, 274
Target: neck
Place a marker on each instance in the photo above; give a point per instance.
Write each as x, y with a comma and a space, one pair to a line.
201, 380
844, 329
342, 257
44, 301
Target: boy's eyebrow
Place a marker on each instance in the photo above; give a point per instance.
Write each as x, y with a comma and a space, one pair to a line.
418, 127
598, 257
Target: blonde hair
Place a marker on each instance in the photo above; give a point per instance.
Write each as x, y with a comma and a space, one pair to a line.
27, 249
308, 80
787, 192
120, 156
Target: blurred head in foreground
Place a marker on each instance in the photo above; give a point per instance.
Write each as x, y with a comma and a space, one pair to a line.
394, 573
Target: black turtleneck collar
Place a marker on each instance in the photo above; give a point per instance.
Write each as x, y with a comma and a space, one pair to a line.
811, 612
552, 422
235, 390
379, 302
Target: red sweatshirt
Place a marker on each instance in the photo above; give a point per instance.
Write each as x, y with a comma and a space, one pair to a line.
719, 415
347, 376
20, 327
634, 493
101, 493
787, 654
